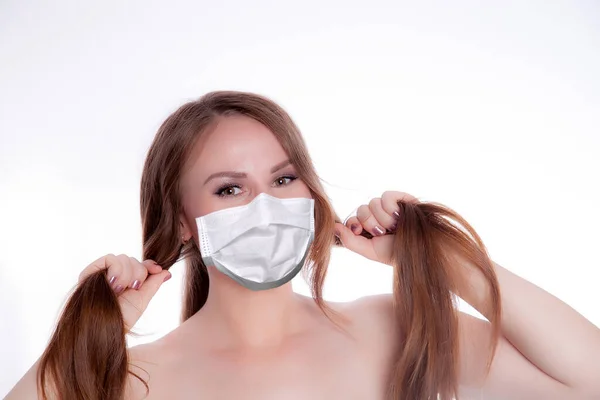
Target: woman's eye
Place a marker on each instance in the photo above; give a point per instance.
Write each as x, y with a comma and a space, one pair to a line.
284, 180
229, 191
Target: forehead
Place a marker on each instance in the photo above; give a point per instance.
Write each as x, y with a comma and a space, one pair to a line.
236, 143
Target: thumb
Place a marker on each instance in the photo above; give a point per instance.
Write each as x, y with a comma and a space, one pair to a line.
152, 284
356, 243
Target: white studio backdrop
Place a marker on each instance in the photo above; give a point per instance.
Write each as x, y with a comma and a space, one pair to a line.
492, 108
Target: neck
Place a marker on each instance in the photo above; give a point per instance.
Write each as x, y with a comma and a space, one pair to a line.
244, 318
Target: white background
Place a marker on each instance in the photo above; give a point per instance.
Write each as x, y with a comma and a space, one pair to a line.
493, 110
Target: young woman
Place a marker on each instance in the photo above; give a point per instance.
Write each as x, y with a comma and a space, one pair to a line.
229, 186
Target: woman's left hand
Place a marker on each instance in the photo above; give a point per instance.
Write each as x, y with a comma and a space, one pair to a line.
379, 218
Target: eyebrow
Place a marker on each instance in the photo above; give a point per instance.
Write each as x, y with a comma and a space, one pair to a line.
240, 175
281, 165
225, 174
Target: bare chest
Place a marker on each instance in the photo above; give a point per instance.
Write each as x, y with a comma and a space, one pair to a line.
325, 369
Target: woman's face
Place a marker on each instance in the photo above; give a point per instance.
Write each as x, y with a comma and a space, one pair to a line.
230, 165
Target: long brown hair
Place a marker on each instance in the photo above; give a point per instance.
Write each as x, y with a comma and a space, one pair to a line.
87, 355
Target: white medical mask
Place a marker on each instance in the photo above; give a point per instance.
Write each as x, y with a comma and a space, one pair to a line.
261, 245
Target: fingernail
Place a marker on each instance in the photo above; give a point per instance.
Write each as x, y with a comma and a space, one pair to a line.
136, 284
396, 214
112, 280
354, 228
167, 277
378, 231
119, 289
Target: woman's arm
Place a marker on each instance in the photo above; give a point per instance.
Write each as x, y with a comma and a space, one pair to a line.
547, 349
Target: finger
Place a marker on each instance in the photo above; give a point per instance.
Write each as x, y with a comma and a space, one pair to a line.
152, 266
139, 272
152, 284
356, 243
368, 221
109, 263
390, 199
98, 265
354, 224
120, 273
385, 220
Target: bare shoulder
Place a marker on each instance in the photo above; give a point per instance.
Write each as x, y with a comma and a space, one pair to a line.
27, 387
372, 313
373, 322
146, 361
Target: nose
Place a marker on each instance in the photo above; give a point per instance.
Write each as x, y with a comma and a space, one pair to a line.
261, 188
257, 193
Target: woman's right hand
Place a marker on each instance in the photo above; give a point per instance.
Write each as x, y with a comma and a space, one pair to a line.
134, 282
